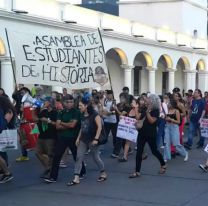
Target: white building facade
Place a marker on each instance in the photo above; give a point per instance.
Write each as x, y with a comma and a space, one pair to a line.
140, 56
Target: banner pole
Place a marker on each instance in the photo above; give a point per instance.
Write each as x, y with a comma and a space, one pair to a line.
10, 55
106, 61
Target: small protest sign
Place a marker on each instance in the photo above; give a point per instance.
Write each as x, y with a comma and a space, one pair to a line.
126, 129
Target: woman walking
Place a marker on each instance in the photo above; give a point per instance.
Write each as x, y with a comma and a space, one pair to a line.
148, 133
91, 127
172, 134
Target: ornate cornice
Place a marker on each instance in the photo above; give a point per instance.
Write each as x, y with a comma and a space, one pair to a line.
55, 23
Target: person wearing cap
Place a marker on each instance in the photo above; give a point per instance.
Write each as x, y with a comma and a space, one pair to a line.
46, 122
68, 126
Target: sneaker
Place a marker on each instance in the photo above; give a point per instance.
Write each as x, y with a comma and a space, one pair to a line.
22, 159
63, 164
122, 159
82, 176
6, 178
45, 174
88, 151
187, 146
49, 180
114, 155
203, 167
186, 157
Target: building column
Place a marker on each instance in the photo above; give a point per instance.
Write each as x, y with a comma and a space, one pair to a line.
171, 80
151, 80
128, 76
7, 78
190, 79
203, 81
10, 4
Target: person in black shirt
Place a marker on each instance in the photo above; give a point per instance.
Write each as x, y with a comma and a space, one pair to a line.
148, 134
17, 96
46, 122
91, 127
121, 109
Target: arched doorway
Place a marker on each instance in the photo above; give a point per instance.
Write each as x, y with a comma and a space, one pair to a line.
162, 80
182, 65
115, 58
199, 67
2, 48
140, 73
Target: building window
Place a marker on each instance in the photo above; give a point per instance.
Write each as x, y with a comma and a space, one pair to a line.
137, 73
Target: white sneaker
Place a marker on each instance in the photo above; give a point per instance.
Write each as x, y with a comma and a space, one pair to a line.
186, 157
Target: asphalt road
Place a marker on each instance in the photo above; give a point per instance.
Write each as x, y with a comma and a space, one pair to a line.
184, 184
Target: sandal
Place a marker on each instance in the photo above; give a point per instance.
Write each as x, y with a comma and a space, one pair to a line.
163, 169
72, 183
135, 175
101, 179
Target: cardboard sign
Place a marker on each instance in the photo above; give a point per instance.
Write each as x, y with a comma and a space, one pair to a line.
8, 140
206, 149
204, 127
126, 129
73, 61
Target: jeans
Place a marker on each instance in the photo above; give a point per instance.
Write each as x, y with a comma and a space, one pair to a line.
94, 151
172, 135
160, 132
193, 128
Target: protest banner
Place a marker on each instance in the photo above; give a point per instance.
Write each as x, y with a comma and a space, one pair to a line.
126, 129
204, 127
73, 61
8, 140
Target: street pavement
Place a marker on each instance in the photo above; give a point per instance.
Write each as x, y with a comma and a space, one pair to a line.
184, 184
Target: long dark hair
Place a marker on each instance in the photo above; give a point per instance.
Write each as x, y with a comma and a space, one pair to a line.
4, 94
173, 104
88, 103
6, 106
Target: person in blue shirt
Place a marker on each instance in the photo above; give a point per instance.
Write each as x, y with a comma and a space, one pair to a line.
197, 107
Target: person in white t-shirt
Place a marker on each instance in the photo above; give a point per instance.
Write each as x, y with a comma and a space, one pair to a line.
110, 121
